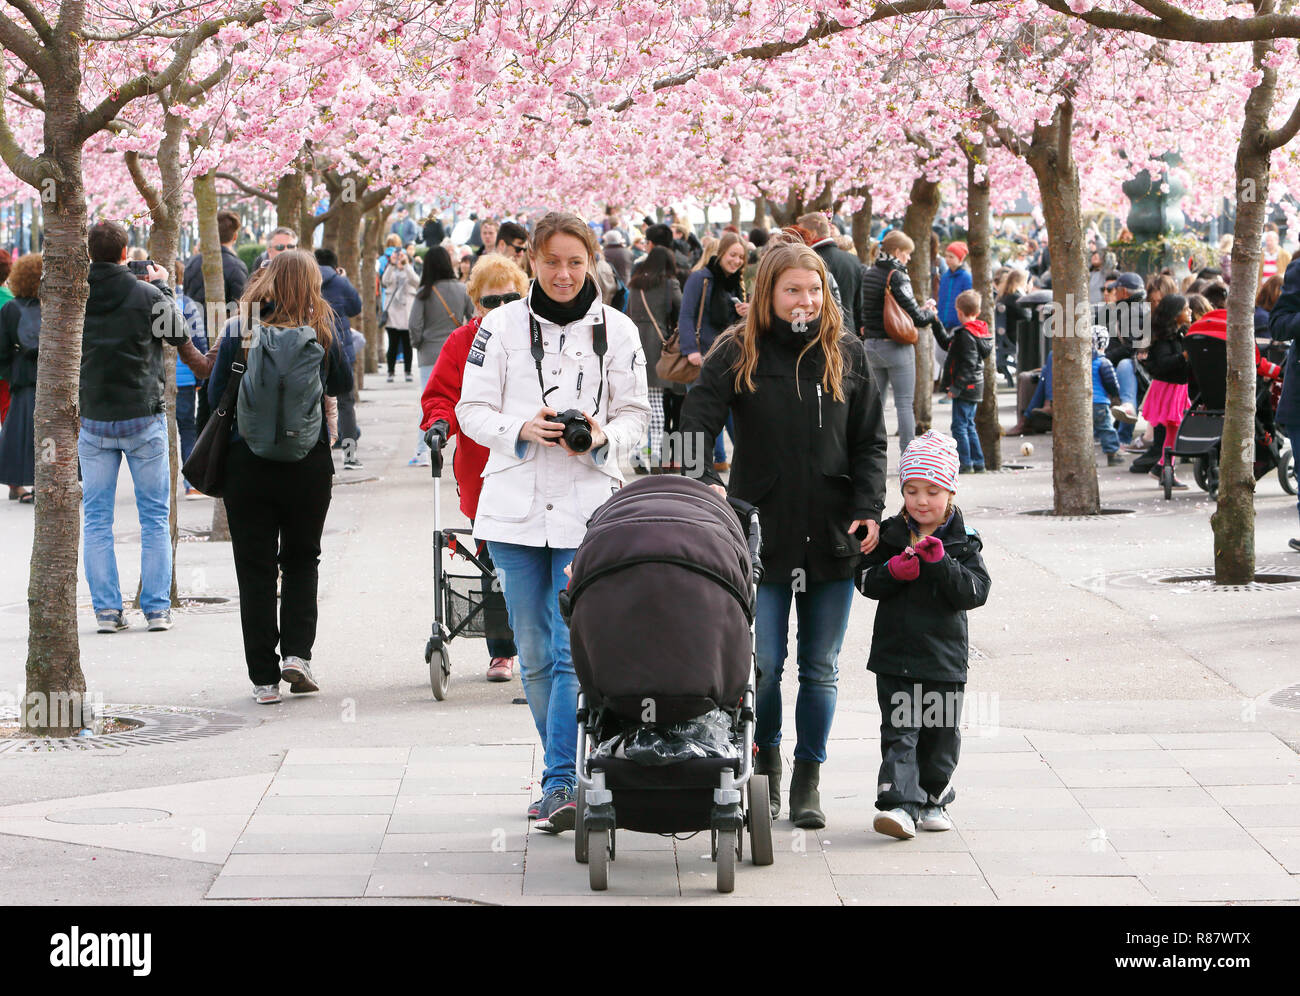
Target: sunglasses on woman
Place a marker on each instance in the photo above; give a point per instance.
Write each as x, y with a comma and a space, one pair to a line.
490, 301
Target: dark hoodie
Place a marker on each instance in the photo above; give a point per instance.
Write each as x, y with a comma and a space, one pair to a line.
345, 302
968, 346
127, 322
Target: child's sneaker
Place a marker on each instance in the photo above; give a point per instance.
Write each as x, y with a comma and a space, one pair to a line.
934, 818
895, 823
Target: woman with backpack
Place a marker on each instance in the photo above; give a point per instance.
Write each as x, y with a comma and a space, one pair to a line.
278, 468
654, 303
439, 307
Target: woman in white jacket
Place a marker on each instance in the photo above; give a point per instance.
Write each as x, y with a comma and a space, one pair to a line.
399, 282
558, 350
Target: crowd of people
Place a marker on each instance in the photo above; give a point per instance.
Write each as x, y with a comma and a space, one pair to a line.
554, 351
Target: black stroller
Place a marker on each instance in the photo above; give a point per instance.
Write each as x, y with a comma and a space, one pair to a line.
661, 609
1201, 431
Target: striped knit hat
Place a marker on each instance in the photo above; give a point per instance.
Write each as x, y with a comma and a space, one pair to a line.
933, 458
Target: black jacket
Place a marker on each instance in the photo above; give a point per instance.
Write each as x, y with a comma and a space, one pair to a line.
963, 371
871, 298
1128, 321
127, 322
1016, 314
20, 334
235, 275
920, 630
847, 271
433, 233
1165, 361
811, 464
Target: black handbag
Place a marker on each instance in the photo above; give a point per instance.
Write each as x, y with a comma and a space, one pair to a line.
206, 467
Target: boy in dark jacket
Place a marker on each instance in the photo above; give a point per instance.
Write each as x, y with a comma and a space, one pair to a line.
968, 346
926, 573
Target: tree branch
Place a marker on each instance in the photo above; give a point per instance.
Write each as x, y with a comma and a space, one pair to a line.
824, 28
152, 198
25, 47
35, 18
31, 170
144, 84
247, 188
1176, 25
30, 96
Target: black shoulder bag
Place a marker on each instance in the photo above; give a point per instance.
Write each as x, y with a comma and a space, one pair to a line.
206, 467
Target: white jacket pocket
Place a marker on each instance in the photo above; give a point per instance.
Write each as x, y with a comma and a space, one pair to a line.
508, 493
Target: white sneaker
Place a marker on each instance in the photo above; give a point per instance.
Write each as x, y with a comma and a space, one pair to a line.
934, 818
266, 694
297, 673
1124, 413
895, 823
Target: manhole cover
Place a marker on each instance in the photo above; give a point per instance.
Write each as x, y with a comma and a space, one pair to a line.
155, 725
108, 817
341, 481
1016, 466
1287, 698
1206, 582
1190, 580
208, 603
1051, 513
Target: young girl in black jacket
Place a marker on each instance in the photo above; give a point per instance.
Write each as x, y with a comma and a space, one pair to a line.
1167, 400
926, 573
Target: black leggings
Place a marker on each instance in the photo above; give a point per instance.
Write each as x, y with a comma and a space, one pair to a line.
277, 513
399, 339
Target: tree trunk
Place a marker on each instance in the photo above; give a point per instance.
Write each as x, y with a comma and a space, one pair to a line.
368, 322
922, 206
761, 212
1233, 521
1074, 470
166, 205
214, 289
290, 201
735, 213
55, 683
862, 227
979, 240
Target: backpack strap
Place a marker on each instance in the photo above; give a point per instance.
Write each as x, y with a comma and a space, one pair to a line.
444, 304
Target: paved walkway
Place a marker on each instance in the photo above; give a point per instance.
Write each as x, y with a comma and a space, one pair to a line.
1124, 748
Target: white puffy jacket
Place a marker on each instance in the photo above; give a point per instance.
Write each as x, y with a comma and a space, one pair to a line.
542, 495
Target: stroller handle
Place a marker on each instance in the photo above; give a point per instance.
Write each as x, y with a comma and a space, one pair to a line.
754, 533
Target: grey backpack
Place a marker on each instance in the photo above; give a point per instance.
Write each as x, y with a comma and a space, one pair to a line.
279, 410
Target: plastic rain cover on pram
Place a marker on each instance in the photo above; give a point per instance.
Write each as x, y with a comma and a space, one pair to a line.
705, 736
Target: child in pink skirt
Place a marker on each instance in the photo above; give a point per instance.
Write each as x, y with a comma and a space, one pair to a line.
1166, 401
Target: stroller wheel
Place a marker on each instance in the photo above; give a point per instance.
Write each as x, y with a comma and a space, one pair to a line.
598, 860
727, 840
580, 852
1167, 479
1206, 472
1286, 470
760, 821
440, 672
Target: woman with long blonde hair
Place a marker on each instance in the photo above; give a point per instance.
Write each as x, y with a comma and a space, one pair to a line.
277, 507
810, 453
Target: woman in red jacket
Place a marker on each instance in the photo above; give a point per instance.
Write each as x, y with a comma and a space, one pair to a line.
494, 281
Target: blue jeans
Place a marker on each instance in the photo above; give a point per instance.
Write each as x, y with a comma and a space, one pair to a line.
969, 451
532, 578
146, 456
185, 425
1103, 427
823, 614
1043, 392
1126, 374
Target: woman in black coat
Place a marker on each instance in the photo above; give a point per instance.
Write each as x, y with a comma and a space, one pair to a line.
20, 331
810, 453
654, 302
893, 363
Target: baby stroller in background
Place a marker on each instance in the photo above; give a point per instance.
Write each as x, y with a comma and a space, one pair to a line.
661, 610
1201, 431
463, 604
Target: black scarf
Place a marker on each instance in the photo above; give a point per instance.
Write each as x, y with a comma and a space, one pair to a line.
783, 332
568, 312
730, 282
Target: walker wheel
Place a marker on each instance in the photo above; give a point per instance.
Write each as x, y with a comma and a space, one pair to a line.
439, 672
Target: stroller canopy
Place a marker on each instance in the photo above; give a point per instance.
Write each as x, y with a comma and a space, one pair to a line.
660, 603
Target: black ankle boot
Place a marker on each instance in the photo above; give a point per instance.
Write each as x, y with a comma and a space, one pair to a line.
805, 802
768, 762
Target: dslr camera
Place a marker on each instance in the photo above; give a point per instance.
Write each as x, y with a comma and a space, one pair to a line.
577, 430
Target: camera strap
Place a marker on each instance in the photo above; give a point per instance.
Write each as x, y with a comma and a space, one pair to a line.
599, 345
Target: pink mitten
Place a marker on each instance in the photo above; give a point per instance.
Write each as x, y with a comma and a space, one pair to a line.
930, 549
904, 566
